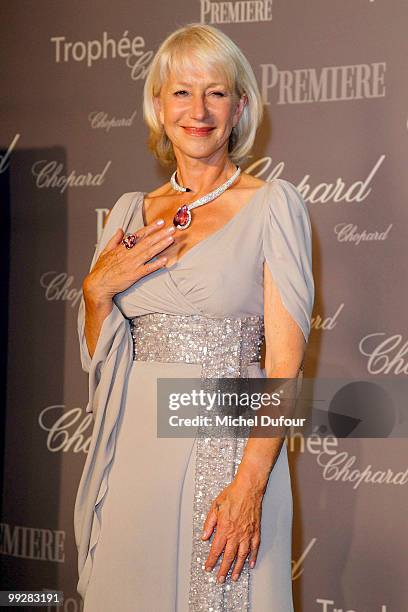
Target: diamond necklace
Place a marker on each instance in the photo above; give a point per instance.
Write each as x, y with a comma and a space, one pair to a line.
182, 218
175, 184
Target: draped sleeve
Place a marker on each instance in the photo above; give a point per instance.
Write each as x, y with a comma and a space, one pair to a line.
287, 248
108, 370
120, 216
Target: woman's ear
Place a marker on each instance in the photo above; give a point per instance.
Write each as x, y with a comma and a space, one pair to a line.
242, 102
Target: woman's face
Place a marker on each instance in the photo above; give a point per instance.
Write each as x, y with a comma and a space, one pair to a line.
198, 113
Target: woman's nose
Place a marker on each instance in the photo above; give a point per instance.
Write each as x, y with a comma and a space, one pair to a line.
198, 107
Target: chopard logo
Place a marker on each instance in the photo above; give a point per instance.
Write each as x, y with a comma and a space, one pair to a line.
58, 287
339, 467
328, 323
385, 355
241, 11
334, 192
100, 121
347, 232
327, 84
48, 174
66, 431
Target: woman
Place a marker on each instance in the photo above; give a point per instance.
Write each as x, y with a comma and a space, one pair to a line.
166, 524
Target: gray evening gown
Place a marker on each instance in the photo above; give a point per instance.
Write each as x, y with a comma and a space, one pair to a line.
137, 513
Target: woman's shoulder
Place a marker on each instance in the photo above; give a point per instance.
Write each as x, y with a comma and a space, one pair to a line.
244, 190
251, 182
286, 197
123, 205
278, 194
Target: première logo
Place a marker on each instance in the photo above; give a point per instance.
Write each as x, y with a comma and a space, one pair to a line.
326, 84
32, 543
241, 11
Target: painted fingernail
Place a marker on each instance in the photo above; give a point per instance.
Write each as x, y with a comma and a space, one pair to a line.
171, 229
208, 569
221, 579
252, 564
235, 577
159, 221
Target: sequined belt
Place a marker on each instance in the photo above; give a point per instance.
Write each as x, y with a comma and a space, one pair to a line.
219, 344
223, 347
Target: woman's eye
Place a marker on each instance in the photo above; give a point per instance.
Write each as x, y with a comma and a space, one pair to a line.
183, 92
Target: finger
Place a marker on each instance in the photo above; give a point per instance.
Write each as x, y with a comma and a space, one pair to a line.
255, 542
149, 245
149, 250
209, 524
242, 554
143, 232
152, 228
217, 546
227, 560
155, 265
150, 238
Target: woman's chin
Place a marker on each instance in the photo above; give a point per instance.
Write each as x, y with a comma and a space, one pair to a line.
198, 150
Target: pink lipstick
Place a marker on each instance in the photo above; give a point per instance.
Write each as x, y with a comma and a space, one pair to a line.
193, 131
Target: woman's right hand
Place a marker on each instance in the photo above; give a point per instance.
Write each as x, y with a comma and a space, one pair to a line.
117, 267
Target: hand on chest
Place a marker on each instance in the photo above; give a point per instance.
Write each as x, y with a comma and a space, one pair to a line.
218, 222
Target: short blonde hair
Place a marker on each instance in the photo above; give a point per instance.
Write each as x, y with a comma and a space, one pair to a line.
202, 45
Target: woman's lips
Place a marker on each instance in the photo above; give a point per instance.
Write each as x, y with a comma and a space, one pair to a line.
198, 131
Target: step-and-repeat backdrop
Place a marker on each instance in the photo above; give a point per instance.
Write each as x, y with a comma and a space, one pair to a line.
333, 81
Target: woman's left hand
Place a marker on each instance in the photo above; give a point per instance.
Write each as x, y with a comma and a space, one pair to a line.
236, 513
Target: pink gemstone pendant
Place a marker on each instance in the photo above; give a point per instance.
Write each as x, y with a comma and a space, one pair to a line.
182, 218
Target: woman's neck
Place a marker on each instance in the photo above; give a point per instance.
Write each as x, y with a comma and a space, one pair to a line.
203, 177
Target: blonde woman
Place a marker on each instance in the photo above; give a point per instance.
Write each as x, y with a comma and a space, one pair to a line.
165, 524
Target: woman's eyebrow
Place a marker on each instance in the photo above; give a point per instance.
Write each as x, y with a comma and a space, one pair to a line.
188, 84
